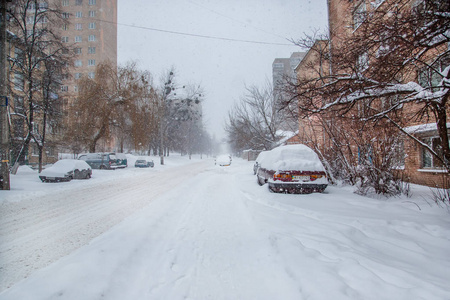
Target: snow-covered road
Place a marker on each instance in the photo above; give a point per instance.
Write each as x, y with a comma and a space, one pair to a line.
42, 228
200, 231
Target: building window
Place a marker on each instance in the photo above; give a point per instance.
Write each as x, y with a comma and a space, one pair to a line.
77, 75
65, 15
78, 39
92, 13
92, 25
78, 2
91, 75
79, 14
78, 26
91, 38
75, 88
19, 83
19, 105
19, 56
30, 20
65, 2
78, 63
359, 15
91, 62
64, 88
91, 50
77, 50
428, 160
431, 77
43, 19
65, 39
65, 27
92, 2
19, 126
35, 149
43, 5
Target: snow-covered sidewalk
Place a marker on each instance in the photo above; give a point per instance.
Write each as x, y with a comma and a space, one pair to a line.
216, 234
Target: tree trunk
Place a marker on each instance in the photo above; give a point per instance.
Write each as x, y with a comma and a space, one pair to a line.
441, 123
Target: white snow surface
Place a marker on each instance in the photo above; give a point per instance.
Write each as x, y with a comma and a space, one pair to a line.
292, 157
193, 230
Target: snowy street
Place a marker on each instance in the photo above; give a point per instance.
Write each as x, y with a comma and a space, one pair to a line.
193, 230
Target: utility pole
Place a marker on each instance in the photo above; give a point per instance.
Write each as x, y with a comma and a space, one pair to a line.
4, 126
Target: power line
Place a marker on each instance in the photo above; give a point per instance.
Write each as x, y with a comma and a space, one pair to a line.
236, 20
196, 35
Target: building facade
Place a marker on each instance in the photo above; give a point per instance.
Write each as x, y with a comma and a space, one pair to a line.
92, 30
348, 21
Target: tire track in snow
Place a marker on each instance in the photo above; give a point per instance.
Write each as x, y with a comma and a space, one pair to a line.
34, 233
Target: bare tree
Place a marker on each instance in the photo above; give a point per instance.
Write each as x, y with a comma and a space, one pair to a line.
105, 102
37, 42
254, 121
397, 61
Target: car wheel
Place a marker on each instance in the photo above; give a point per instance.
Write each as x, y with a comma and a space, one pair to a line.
258, 179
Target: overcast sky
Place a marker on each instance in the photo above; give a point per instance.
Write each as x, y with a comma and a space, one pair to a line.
222, 67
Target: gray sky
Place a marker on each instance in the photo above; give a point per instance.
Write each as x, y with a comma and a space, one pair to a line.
222, 67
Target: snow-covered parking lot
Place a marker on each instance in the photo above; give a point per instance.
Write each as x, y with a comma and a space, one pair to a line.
193, 230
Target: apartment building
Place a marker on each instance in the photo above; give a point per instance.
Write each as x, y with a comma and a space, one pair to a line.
349, 21
92, 28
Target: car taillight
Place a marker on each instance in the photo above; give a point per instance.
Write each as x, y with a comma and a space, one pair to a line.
296, 176
282, 176
314, 177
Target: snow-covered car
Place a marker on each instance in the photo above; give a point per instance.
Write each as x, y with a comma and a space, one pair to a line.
103, 161
292, 169
258, 161
142, 162
121, 160
223, 160
66, 170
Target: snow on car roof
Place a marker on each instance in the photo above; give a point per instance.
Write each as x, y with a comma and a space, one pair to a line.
63, 166
292, 157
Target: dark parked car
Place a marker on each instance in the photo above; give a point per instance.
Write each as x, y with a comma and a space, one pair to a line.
66, 170
292, 169
143, 163
121, 160
104, 161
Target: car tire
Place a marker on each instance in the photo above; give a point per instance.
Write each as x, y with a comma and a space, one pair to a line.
258, 179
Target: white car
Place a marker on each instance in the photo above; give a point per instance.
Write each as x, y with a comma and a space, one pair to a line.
66, 170
292, 169
258, 161
223, 160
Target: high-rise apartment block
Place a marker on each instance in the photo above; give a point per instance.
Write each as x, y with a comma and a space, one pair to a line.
92, 28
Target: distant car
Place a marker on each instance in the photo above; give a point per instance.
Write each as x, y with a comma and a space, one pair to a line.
103, 161
121, 160
258, 161
66, 170
143, 163
292, 169
223, 160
